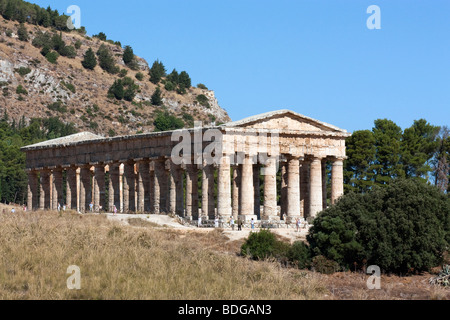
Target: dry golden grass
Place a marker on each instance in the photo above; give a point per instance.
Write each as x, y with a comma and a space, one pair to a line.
125, 262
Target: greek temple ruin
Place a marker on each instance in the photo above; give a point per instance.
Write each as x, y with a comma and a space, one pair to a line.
269, 166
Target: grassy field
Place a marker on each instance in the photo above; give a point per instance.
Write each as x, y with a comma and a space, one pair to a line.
126, 262
144, 261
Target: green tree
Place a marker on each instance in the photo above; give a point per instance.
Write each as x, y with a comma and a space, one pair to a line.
358, 173
106, 60
156, 98
418, 146
166, 122
387, 164
22, 32
117, 90
400, 227
157, 72
128, 55
184, 79
89, 61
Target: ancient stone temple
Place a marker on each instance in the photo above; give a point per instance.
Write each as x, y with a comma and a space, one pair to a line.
269, 166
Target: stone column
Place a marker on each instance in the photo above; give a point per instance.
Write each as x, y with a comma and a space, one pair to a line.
324, 184
44, 188
71, 188
205, 190
236, 191
156, 167
304, 188
315, 187
57, 193
114, 187
257, 191
99, 187
144, 186
32, 199
85, 188
179, 190
270, 190
129, 187
293, 187
284, 190
224, 188
211, 193
192, 191
173, 177
247, 190
337, 180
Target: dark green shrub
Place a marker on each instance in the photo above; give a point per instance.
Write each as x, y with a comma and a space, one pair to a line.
23, 71
140, 76
401, 227
164, 121
52, 57
264, 244
21, 90
202, 86
203, 100
299, 255
169, 86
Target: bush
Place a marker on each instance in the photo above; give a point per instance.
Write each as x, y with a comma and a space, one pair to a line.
402, 227
203, 100
140, 76
21, 90
259, 245
23, 71
52, 56
165, 122
69, 86
202, 86
299, 255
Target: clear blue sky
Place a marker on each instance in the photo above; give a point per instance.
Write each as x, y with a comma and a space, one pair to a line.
314, 57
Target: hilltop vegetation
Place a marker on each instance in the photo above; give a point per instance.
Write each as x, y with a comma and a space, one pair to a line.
44, 62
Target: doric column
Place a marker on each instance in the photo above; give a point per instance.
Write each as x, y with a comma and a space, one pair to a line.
257, 191
99, 187
205, 190
144, 186
284, 189
173, 179
304, 188
160, 194
57, 193
85, 188
247, 190
192, 191
270, 189
324, 184
293, 194
315, 187
211, 192
337, 180
224, 188
179, 189
44, 188
155, 167
236, 192
129, 187
32, 199
114, 187
71, 188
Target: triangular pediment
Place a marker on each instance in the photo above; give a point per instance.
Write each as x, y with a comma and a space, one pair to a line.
284, 120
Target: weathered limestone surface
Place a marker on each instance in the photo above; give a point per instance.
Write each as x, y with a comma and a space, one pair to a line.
142, 175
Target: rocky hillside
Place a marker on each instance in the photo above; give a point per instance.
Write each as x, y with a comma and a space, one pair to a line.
33, 87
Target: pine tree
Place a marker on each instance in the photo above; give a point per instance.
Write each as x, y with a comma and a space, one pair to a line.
106, 60
22, 32
128, 55
156, 97
89, 61
184, 79
157, 71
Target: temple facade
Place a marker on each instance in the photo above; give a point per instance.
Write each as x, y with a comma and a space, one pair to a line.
270, 166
